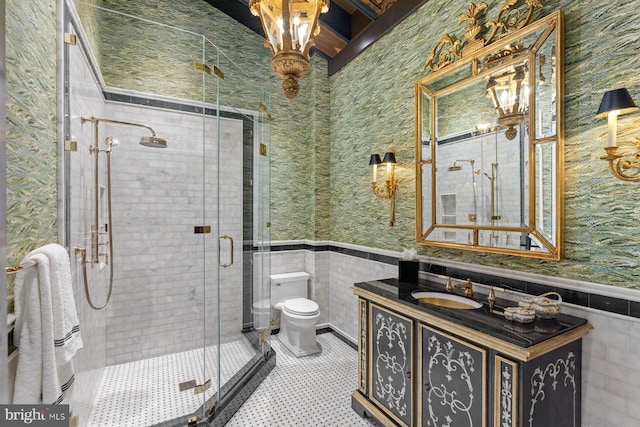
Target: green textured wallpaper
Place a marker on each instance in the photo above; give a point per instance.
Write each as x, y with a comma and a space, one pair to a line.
321, 141
372, 110
159, 59
31, 126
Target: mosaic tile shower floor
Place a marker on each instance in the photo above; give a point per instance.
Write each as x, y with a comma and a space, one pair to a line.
311, 391
146, 392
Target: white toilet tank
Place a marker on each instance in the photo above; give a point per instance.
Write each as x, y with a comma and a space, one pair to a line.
288, 286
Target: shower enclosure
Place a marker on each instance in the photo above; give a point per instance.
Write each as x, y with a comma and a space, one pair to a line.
170, 246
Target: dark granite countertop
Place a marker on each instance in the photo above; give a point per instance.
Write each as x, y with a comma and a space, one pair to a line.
481, 319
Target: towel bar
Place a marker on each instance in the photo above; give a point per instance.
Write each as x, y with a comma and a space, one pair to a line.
13, 270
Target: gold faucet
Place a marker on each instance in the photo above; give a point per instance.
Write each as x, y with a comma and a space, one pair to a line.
468, 287
491, 299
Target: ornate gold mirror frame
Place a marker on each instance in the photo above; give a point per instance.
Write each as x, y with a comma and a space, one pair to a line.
490, 135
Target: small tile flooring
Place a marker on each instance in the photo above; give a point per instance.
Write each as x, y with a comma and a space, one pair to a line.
311, 391
146, 392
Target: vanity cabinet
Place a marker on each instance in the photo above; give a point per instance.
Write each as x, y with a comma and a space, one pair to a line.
452, 376
435, 367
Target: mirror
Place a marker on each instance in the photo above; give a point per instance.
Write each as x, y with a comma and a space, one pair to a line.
489, 146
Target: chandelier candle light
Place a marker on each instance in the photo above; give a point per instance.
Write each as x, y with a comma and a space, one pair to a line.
289, 26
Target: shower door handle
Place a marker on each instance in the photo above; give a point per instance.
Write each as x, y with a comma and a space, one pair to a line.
219, 261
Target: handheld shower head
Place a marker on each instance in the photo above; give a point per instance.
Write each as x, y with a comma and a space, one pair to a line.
153, 142
111, 142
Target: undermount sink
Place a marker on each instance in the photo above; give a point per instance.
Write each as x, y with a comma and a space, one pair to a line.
442, 299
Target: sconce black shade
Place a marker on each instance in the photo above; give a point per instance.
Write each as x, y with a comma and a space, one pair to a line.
375, 160
389, 157
618, 99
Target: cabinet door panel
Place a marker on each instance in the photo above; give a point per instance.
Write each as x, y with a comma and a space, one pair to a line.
505, 398
362, 345
453, 381
551, 388
391, 358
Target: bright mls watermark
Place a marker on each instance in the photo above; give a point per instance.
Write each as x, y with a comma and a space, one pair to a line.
34, 415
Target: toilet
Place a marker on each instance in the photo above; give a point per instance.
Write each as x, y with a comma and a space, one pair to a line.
298, 315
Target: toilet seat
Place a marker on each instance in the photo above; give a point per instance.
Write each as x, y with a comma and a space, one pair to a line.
301, 307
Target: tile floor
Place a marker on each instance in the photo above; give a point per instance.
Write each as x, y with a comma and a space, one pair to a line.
146, 392
311, 391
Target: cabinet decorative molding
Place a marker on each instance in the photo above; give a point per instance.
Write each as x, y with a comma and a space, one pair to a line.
506, 380
452, 372
362, 346
391, 350
563, 370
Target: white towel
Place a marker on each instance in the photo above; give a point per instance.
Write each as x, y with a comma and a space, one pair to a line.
47, 331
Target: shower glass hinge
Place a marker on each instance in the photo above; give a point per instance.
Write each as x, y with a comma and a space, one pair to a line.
263, 149
192, 421
70, 38
265, 110
263, 335
70, 145
198, 66
212, 409
202, 229
218, 72
269, 224
201, 388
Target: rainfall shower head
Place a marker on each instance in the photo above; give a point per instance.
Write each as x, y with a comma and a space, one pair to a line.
153, 142
148, 141
456, 167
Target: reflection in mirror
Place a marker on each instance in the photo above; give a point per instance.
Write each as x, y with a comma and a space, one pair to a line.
489, 147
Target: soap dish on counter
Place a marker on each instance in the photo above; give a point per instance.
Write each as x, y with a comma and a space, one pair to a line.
520, 314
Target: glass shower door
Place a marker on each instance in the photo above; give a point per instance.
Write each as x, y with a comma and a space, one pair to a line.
235, 172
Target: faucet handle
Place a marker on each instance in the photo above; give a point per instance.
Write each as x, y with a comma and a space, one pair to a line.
491, 298
468, 288
449, 286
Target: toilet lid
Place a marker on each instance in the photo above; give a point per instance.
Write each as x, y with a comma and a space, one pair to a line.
301, 307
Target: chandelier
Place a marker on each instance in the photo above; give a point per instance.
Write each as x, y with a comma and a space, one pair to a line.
509, 92
289, 26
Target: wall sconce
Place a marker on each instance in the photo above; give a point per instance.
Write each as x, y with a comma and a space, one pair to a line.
614, 103
387, 191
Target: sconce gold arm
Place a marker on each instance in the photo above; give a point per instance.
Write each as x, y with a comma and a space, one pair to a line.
388, 191
623, 163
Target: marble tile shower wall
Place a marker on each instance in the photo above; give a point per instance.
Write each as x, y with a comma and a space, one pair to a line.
165, 275
600, 211
85, 99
